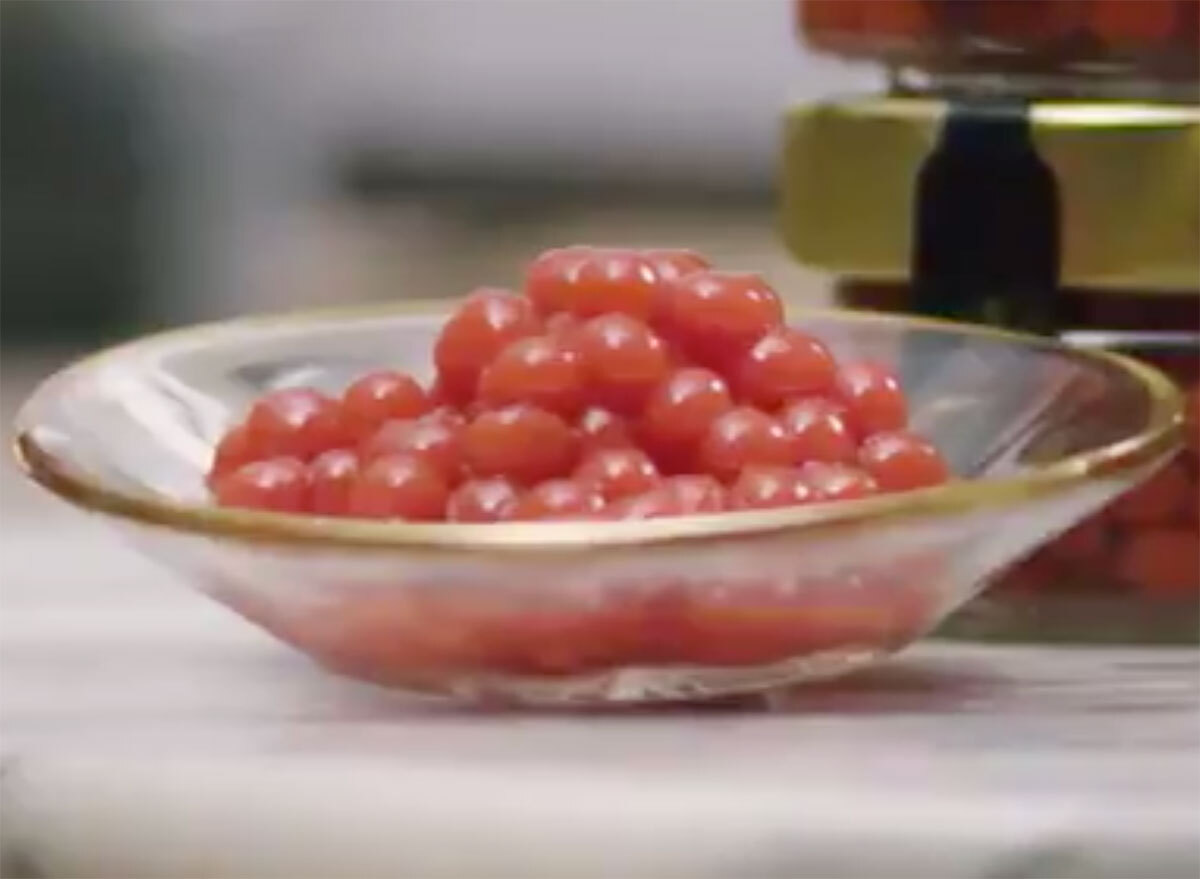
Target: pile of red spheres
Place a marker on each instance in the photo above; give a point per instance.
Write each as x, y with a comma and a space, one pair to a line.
619, 384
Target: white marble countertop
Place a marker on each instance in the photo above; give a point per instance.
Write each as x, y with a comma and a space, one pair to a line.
148, 732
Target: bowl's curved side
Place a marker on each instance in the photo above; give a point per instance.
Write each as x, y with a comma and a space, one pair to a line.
629, 623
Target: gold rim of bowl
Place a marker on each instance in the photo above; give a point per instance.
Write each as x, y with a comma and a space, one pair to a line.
42, 466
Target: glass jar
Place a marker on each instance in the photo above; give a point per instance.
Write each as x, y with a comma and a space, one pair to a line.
1066, 218
1130, 572
1110, 48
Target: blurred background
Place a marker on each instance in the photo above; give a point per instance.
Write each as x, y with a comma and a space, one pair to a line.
179, 160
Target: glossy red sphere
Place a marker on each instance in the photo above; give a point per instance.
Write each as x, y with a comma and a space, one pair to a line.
782, 365
837, 482
482, 500
488, 321
382, 396
819, 431
679, 411
590, 281
744, 437
674, 496
432, 439
399, 486
232, 451
559, 499
521, 442
276, 485
331, 476
623, 359
715, 316
766, 487
873, 398
294, 422
901, 461
601, 428
618, 473
672, 264
540, 370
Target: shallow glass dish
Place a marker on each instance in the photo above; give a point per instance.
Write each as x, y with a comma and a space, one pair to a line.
1039, 434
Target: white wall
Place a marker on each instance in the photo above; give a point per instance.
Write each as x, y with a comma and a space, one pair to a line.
677, 86
267, 91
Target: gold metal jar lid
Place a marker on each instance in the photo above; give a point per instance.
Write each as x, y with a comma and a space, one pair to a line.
1128, 177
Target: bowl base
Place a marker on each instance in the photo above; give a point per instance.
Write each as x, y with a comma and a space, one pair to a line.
640, 685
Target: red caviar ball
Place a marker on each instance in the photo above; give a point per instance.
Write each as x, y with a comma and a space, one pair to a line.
618, 473
399, 486
589, 281
277, 485
488, 321
521, 442
382, 396
294, 422
331, 476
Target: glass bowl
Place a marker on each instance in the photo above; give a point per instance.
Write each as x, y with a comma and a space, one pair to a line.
600, 612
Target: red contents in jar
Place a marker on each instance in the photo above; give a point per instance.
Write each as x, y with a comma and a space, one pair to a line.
1020, 22
1083, 544
906, 18
1159, 500
1161, 560
1002, 34
1191, 413
1145, 543
1121, 22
